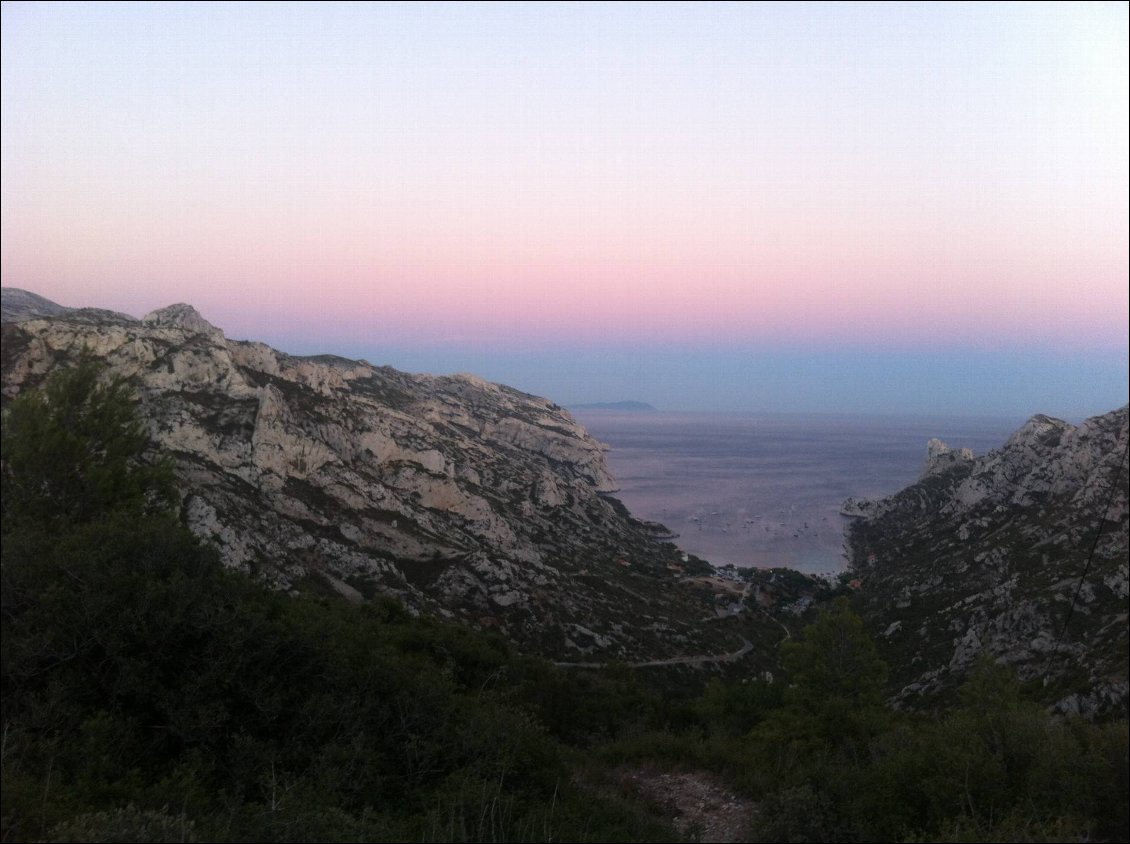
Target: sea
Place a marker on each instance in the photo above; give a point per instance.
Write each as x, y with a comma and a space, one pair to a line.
765, 489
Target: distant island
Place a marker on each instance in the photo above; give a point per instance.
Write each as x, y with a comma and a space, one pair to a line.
633, 406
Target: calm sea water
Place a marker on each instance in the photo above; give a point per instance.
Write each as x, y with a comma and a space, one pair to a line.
765, 490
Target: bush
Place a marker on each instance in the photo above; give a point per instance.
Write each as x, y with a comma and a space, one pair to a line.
129, 826
72, 452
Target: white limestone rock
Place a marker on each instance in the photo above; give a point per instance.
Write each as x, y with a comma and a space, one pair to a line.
184, 317
941, 458
995, 548
451, 493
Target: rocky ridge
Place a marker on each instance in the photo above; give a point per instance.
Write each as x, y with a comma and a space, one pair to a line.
994, 554
453, 495
19, 305
484, 504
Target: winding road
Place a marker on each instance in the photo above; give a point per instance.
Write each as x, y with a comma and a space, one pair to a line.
704, 659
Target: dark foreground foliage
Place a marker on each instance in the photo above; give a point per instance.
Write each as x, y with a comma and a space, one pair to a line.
151, 695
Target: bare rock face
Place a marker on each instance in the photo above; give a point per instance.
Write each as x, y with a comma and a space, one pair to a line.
184, 317
1021, 554
456, 496
859, 508
941, 458
19, 305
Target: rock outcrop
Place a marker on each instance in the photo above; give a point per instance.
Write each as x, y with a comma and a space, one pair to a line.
19, 305
941, 458
1020, 554
456, 496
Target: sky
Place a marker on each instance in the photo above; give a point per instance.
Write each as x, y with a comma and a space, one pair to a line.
873, 208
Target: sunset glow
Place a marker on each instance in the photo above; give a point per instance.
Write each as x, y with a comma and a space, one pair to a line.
452, 184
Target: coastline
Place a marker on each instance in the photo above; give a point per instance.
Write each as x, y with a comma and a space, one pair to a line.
767, 490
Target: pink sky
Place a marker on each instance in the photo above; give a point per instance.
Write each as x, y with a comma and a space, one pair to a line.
488, 178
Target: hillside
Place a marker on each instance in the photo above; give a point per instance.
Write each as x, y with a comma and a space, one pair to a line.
481, 504
153, 691
1020, 553
458, 497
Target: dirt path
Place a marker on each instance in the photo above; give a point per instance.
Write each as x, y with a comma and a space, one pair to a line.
746, 647
780, 624
698, 805
697, 659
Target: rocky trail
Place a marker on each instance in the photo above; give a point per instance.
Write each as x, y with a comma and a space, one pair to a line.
692, 659
699, 806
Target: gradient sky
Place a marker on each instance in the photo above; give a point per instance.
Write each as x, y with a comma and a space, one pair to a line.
801, 207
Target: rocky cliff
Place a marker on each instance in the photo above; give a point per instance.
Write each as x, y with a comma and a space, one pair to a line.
1021, 554
454, 495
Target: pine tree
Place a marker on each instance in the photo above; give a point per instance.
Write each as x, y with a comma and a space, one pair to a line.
72, 452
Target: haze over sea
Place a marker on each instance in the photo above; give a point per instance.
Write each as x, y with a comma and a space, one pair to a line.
765, 489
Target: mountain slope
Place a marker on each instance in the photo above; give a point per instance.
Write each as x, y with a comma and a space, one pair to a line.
460, 497
19, 305
994, 554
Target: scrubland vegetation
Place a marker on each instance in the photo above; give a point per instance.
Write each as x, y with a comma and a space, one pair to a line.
149, 694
